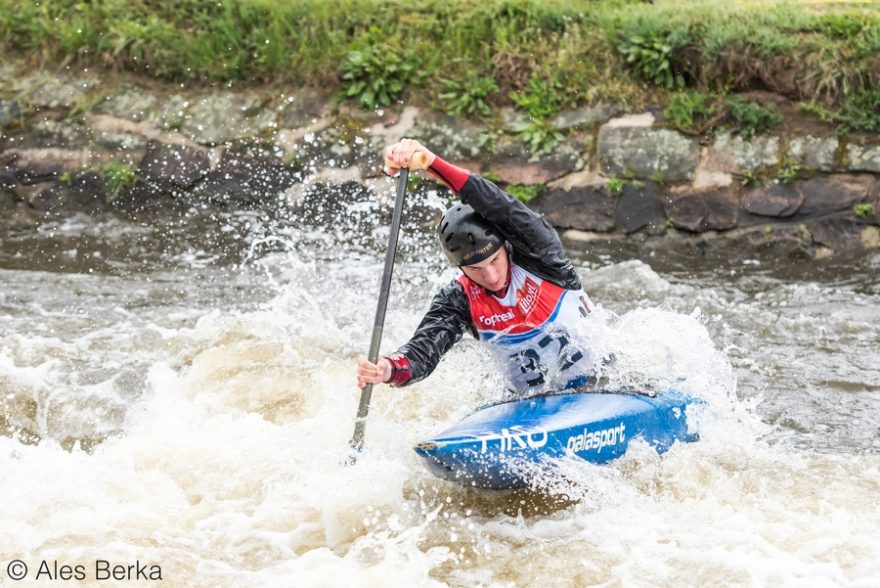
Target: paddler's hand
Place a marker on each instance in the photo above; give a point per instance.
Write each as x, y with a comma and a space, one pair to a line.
373, 373
401, 155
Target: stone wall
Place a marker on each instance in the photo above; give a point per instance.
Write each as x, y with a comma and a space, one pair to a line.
83, 144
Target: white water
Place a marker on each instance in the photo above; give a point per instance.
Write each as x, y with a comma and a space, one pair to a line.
215, 403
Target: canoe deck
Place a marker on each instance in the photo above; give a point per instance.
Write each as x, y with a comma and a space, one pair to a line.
499, 446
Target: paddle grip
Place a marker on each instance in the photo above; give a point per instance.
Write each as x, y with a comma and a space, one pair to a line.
419, 160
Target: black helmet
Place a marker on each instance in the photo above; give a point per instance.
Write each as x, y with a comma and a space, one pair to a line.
467, 238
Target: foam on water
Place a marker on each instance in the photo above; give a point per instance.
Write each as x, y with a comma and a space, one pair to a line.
226, 463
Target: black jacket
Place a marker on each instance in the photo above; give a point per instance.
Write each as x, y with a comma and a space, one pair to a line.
535, 247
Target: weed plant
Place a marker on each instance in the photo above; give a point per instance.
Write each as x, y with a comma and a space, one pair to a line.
117, 176
860, 112
524, 192
751, 117
687, 110
863, 210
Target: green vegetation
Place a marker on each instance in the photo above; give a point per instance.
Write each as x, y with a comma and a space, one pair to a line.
117, 177
788, 171
469, 58
658, 177
615, 186
688, 111
654, 56
751, 117
863, 210
469, 97
524, 192
750, 178
541, 101
861, 112
540, 136
376, 74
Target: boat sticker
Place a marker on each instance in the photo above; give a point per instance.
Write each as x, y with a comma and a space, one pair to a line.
597, 439
514, 438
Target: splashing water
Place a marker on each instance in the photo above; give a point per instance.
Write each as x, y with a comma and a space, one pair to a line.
190, 406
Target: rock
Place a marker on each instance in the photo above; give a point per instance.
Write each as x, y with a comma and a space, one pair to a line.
84, 192
875, 200
585, 177
837, 233
453, 139
226, 117
37, 165
396, 125
7, 174
782, 241
28, 192
346, 206
513, 164
702, 211
45, 90
130, 103
48, 132
173, 167
643, 120
870, 237
705, 177
340, 145
779, 200
10, 72
135, 133
144, 197
10, 113
587, 209
245, 176
863, 158
512, 120
122, 142
639, 208
586, 116
171, 113
8, 199
826, 194
814, 153
734, 155
301, 108
582, 236
646, 153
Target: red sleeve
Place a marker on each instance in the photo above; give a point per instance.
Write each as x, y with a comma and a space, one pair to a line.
451, 175
400, 372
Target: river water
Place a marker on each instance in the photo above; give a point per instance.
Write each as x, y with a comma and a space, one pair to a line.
180, 393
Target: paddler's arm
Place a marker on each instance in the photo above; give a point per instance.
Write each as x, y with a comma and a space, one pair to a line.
442, 327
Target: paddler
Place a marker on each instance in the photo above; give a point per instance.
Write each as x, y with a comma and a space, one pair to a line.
518, 290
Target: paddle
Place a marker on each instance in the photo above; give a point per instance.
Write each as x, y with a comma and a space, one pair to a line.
419, 161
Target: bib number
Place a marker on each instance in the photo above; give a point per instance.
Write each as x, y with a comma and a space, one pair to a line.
530, 363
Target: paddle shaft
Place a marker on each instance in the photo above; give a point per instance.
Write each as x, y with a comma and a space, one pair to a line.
357, 440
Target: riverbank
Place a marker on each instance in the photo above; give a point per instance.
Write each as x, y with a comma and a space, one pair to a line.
90, 143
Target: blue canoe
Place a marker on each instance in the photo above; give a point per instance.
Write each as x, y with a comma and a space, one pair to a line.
498, 446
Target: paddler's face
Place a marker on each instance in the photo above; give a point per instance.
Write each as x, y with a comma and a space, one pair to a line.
491, 273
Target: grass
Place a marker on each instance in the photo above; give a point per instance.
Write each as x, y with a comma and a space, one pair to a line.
117, 177
469, 57
615, 186
525, 192
863, 210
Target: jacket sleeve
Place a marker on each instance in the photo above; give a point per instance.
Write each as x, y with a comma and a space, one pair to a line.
442, 327
536, 245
